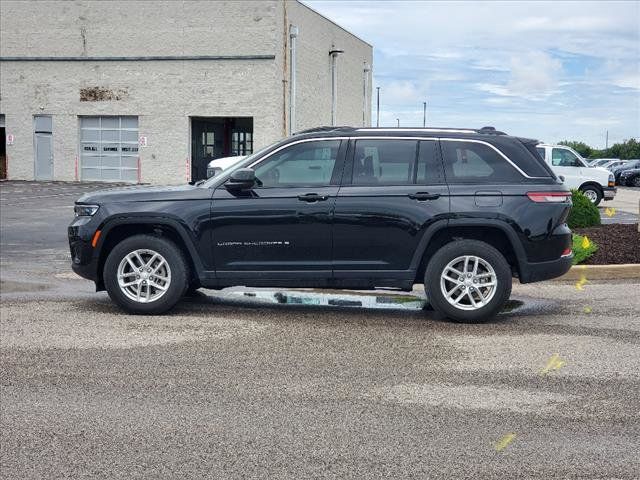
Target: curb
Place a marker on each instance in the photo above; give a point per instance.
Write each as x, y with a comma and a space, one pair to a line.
602, 272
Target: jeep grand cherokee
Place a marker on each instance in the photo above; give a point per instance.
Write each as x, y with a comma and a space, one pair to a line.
460, 210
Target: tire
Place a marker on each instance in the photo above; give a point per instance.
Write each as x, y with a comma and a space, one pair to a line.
172, 274
465, 312
635, 181
593, 193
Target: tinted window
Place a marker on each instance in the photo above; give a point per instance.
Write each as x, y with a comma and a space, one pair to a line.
384, 162
540, 152
309, 163
561, 157
469, 162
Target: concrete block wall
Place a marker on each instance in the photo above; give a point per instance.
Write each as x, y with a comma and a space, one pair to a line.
165, 94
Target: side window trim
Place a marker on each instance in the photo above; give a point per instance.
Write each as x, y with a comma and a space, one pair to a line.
497, 150
339, 164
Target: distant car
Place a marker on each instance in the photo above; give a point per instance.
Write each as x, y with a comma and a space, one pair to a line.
600, 162
596, 183
221, 164
630, 177
613, 164
627, 166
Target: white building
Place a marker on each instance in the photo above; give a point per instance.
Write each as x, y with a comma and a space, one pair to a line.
151, 91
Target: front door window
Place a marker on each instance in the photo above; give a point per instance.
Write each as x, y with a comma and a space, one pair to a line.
300, 165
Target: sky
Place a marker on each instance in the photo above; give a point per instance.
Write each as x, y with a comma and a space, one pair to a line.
549, 70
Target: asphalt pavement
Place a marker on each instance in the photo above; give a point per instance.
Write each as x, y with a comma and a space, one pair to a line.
272, 384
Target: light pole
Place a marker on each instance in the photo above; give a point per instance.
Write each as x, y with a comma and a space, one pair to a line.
398, 120
378, 107
424, 114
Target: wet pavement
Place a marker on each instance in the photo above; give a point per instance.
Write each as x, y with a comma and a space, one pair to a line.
268, 383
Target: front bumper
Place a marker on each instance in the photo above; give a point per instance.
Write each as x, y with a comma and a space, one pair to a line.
536, 272
609, 193
84, 258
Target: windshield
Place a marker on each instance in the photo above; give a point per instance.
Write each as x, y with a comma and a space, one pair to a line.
241, 164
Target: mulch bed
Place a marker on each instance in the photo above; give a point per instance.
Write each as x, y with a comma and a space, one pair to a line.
617, 243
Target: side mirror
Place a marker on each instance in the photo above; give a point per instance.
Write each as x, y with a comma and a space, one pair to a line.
241, 179
561, 177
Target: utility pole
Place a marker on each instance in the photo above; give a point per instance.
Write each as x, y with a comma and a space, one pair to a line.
424, 114
378, 107
606, 145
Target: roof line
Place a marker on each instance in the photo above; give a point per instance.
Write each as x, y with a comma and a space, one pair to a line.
137, 59
331, 21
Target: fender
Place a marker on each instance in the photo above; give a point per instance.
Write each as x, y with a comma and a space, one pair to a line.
516, 244
424, 242
150, 219
469, 222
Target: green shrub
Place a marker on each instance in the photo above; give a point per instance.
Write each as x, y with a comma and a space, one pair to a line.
582, 249
583, 213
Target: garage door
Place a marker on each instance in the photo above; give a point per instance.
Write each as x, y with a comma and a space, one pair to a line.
109, 149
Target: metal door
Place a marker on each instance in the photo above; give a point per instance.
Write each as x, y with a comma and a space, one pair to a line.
44, 156
43, 142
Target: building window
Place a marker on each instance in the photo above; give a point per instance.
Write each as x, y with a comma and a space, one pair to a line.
109, 149
241, 142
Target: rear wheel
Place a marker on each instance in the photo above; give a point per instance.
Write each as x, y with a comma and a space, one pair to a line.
593, 193
145, 274
635, 181
468, 281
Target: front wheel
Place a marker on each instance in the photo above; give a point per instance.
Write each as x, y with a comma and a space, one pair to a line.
593, 193
468, 281
146, 274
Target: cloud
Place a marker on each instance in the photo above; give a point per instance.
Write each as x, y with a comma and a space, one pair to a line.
534, 73
550, 70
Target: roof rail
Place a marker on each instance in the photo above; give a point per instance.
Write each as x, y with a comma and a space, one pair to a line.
415, 129
325, 129
490, 131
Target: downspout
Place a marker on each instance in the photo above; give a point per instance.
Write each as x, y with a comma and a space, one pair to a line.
293, 35
365, 86
334, 52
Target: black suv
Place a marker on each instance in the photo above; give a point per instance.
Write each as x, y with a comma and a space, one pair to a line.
460, 210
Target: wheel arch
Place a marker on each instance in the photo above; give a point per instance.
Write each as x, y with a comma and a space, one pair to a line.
117, 229
494, 232
591, 183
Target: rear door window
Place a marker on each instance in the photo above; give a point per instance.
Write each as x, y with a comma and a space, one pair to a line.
384, 162
540, 152
470, 162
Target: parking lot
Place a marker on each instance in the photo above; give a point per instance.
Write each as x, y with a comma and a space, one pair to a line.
244, 384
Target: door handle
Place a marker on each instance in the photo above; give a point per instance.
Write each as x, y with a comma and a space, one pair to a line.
421, 196
312, 197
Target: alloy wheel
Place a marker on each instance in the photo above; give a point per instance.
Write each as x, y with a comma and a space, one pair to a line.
144, 275
592, 195
468, 282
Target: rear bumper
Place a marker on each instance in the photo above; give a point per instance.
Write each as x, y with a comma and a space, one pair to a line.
609, 193
536, 272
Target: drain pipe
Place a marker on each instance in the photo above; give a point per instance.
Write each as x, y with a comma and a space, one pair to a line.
365, 86
293, 35
334, 52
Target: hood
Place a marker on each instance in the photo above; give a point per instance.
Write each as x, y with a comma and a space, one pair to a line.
145, 194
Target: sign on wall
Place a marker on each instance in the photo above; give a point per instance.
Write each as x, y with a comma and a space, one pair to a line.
142, 141
10, 138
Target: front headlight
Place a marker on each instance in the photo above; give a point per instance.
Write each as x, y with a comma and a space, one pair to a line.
85, 210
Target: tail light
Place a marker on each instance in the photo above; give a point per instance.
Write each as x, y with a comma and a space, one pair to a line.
567, 252
549, 197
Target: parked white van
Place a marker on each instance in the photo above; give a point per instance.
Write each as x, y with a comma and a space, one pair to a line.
595, 182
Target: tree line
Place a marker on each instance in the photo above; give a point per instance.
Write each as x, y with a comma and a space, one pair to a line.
624, 151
